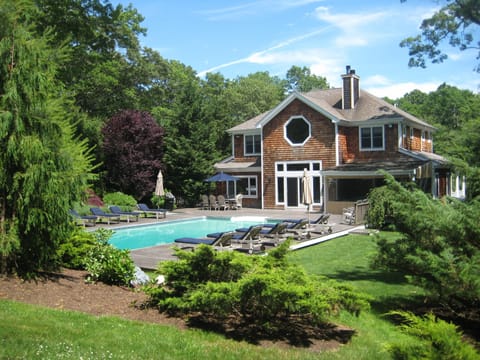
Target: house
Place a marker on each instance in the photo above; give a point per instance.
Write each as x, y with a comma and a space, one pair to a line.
342, 137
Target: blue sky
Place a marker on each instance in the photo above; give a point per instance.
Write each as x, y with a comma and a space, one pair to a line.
237, 38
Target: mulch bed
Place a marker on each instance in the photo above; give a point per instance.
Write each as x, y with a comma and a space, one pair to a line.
67, 290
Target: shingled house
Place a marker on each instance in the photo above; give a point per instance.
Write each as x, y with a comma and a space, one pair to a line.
342, 137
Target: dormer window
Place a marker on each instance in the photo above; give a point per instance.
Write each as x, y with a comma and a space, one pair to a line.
371, 138
297, 130
253, 144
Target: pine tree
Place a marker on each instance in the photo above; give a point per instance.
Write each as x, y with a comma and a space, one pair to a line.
44, 169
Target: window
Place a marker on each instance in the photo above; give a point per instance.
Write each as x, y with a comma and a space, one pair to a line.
371, 138
252, 144
247, 185
297, 131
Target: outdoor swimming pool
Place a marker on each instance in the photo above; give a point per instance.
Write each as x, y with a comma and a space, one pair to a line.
143, 236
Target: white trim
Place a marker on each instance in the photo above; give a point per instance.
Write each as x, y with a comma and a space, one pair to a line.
245, 145
371, 138
287, 101
337, 146
285, 130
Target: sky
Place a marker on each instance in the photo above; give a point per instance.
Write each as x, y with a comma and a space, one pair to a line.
237, 38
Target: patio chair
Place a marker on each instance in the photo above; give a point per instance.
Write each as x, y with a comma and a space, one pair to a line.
223, 239
105, 216
148, 211
83, 220
128, 214
238, 202
221, 203
212, 199
348, 215
205, 203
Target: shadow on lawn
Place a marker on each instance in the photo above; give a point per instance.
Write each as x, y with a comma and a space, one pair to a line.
370, 275
292, 331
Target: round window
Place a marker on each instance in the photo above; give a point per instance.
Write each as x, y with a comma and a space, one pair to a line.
297, 130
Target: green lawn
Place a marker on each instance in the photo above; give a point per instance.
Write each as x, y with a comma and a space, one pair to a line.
31, 332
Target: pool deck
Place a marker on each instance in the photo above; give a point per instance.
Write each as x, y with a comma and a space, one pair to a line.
148, 258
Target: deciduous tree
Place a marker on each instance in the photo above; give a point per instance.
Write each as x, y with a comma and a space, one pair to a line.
457, 22
133, 148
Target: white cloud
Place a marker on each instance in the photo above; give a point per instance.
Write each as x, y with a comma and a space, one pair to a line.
395, 91
356, 29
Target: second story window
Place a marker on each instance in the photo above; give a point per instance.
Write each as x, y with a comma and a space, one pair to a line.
297, 131
252, 144
371, 138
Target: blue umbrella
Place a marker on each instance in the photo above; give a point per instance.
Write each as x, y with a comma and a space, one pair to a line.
221, 176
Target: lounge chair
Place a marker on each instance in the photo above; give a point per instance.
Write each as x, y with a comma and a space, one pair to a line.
146, 211
105, 216
128, 214
224, 239
83, 219
322, 219
248, 241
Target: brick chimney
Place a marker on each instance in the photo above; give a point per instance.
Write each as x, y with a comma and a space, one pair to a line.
351, 89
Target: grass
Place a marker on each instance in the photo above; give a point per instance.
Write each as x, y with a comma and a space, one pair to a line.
29, 331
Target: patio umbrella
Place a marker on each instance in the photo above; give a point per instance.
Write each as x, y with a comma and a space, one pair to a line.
159, 190
221, 176
307, 198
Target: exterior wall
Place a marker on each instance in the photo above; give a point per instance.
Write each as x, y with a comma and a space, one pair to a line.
320, 146
350, 146
238, 150
416, 143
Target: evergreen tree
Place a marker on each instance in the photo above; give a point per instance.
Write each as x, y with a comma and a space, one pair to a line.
44, 170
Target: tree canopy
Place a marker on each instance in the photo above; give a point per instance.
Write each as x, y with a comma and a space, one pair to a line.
457, 23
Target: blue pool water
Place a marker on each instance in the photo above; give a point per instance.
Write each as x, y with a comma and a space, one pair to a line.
138, 237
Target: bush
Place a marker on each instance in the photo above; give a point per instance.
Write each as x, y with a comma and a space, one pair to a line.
126, 202
435, 339
74, 250
438, 248
265, 290
108, 264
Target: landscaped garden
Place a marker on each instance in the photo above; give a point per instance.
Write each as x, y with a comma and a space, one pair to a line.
30, 331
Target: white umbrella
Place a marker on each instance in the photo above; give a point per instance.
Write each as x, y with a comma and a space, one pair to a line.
159, 191
307, 198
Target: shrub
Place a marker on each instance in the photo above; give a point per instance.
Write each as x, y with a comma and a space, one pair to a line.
265, 290
108, 264
126, 202
438, 248
435, 339
74, 250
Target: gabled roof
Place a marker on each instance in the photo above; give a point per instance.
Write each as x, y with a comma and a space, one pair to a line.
329, 103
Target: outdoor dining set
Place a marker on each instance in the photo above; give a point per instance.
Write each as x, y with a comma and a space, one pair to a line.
221, 202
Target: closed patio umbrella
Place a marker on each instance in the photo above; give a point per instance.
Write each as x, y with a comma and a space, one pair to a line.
307, 198
159, 190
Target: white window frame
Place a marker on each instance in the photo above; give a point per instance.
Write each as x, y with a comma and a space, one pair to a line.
255, 150
371, 148
248, 190
285, 130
